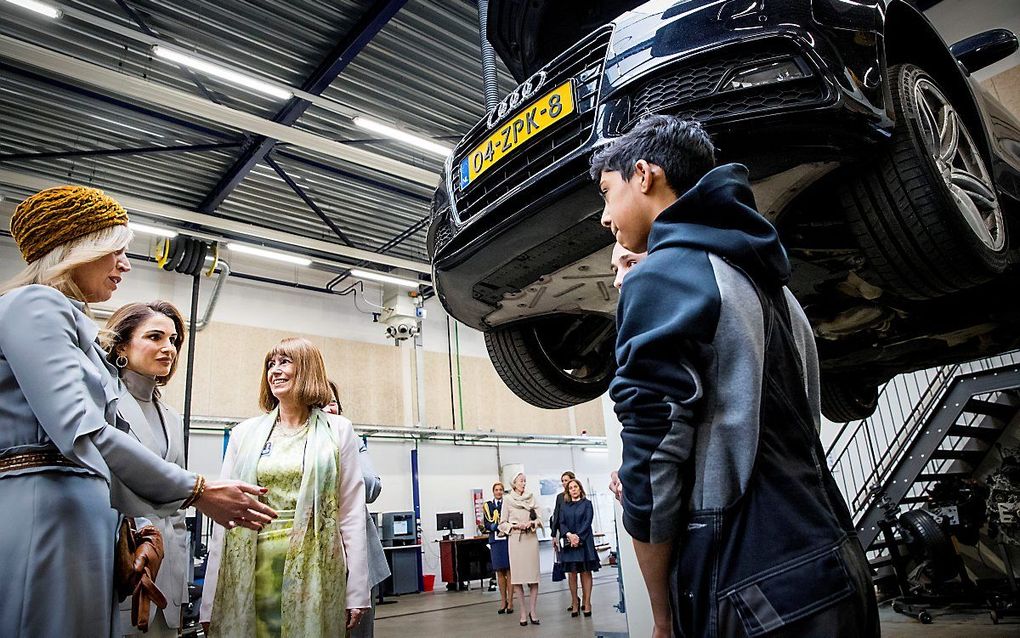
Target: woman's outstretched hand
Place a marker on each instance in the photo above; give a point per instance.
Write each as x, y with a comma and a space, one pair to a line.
232, 503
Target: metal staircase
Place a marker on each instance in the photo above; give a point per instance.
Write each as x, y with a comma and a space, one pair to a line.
930, 425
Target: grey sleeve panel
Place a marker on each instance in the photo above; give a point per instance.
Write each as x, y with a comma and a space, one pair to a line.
667, 479
804, 337
727, 434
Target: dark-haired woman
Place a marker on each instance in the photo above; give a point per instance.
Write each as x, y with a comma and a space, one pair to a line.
143, 341
577, 552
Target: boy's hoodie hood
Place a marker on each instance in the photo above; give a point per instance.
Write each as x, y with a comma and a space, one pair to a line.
718, 215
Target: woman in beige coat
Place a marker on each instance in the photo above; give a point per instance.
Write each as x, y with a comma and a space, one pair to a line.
521, 521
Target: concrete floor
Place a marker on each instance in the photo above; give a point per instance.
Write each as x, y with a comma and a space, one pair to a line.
472, 614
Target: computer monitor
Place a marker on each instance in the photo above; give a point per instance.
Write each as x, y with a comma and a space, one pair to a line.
450, 521
401, 527
397, 526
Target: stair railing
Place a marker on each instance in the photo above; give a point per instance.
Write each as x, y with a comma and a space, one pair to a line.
864, 452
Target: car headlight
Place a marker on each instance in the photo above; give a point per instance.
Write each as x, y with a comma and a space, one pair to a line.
766, 73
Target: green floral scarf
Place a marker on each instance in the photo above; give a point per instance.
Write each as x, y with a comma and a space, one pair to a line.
315, 571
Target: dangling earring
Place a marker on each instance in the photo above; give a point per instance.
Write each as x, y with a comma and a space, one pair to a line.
121, 361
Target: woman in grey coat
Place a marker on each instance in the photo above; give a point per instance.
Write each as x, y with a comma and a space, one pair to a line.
378, 568
65, 456
143, 341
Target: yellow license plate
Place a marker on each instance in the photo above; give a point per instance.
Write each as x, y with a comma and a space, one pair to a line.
536, 117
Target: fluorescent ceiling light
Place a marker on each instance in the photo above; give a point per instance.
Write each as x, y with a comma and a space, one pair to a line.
595, 450
402, 136
38, 7
152, 230
269, 254
221, 72
386, 279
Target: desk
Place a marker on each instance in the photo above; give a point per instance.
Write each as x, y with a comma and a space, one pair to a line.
403, 563
464, 560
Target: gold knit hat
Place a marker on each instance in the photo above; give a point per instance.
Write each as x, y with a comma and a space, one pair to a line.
58, 215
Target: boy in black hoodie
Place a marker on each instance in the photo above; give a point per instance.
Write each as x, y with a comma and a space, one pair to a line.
738, 525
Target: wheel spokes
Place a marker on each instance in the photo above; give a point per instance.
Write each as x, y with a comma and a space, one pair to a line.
949, 133
974, 187
929, 123
972, 215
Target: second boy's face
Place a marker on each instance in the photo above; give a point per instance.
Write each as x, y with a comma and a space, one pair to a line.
622, 263
624, 212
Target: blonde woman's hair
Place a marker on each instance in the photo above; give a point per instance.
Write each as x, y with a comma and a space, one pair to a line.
55, 268
310, 383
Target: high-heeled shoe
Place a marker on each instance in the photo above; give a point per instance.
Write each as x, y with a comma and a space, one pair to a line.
574, 614
501, 611
533, 620
587, 614
524, 624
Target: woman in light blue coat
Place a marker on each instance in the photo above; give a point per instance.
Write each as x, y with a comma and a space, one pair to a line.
143, 341
65, 456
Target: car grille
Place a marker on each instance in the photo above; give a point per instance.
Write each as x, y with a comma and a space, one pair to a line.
444, 233
543, 150
692, 90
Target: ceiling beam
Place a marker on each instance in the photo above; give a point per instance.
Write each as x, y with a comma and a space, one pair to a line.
131, 13
148, 40
333, 65
300, 192
184, 218
65, 84
148, 92
107, 152
353, 177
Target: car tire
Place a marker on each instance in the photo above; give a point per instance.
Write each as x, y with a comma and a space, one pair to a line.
843, 401
927, 541
926, 214
530, 357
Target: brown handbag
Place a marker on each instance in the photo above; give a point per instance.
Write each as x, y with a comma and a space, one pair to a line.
138, 556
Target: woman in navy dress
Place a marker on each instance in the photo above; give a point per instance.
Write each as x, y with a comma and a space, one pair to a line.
577, 553
497, 547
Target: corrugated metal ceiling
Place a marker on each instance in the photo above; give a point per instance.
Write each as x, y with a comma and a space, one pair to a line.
421, 71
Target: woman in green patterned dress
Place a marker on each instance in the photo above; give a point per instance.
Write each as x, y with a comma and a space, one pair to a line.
305, 575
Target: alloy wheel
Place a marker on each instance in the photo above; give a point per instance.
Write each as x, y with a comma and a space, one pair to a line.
960, 164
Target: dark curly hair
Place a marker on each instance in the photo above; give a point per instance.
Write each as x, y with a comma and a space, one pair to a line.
682, 148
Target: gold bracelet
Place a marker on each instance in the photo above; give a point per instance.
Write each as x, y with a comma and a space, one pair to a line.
196, 492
